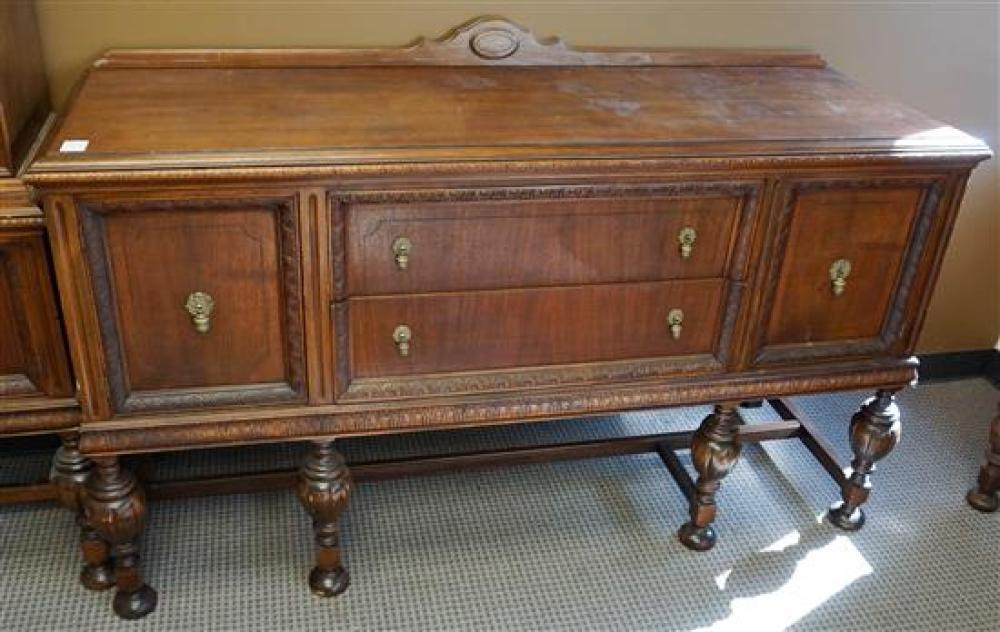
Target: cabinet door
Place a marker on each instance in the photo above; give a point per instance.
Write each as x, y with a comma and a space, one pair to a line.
845, 257
33, 353
198, 301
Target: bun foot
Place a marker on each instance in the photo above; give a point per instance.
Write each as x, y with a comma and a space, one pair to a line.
697, 538
97, 578
328, 582
843, 516
986, 503
136, 604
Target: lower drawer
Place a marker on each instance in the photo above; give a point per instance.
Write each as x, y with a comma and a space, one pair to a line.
465, 331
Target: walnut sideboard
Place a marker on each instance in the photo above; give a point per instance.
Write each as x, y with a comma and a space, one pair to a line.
278, 245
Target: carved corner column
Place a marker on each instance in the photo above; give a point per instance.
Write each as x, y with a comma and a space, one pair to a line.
324, 488
984, 496
115, 506
715, 450
69, 474
875, 431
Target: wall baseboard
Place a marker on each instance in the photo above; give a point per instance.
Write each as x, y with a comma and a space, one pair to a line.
959, 364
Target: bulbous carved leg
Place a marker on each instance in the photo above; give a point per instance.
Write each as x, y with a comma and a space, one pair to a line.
715, 449
324, 487
875, 431
115, 507
68, 476
984, 496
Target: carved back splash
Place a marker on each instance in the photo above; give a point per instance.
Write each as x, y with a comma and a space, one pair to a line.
487, 40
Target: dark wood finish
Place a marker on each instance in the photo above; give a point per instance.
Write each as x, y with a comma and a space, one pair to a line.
27, 493
559, 241
115, 506
70, 471
324, 487
874, 432
24, 87
984, 496
715, 449
539, 187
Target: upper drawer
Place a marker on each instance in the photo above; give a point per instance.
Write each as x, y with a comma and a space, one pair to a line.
425, 241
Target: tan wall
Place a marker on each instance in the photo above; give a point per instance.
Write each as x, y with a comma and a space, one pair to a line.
941, 57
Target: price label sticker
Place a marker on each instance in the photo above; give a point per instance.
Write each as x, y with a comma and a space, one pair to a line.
73, 146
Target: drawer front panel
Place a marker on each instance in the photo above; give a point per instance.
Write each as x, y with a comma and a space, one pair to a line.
193, 304
532, 327
476, 244
841, 267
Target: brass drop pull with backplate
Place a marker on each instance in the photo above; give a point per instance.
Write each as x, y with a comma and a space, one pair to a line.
402, 248
200, 306
675, 318
402, 336
839, 271
686, 238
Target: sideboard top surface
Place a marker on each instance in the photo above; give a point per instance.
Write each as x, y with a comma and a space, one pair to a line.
163, 109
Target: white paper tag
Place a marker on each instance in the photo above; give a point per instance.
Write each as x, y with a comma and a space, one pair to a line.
73, 146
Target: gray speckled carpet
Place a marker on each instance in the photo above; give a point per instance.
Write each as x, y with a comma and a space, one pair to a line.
578, 545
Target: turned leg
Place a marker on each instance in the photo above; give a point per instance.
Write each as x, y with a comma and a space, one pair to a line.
984, 496
875, 430
715, 449
324, 487
68, 476
115, 507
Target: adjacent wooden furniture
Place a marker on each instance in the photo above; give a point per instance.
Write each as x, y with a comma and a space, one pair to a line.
283, 245
984, 496
37, 393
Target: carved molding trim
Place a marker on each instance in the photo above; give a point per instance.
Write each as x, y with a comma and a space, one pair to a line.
547, 191
123, 398
513, 408
505, 380
232, 168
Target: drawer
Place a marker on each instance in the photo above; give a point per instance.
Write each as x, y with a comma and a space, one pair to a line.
841, 275
198, 301
531, 327
423, 244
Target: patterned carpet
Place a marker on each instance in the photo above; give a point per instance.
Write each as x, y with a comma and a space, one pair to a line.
577, 545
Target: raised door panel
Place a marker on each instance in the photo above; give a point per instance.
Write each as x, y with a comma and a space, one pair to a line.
14, 370
33, 359
198, 301
468, 239
846, 253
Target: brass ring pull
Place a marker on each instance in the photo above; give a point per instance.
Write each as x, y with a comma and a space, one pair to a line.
839, 271
200, 306
675, 318
686, 239
402, 336
402, 248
